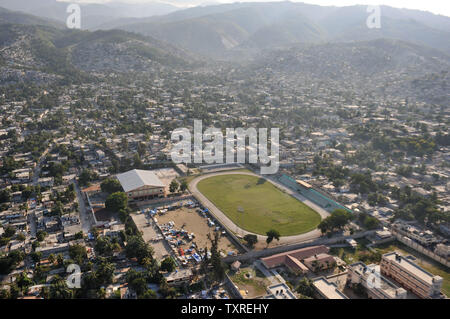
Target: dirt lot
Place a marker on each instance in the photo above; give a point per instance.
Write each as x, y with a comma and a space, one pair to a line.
192, 222
250, 281
166, 175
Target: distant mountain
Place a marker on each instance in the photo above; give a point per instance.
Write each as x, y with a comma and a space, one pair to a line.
217, 30
8, 16
243, 29
93, 15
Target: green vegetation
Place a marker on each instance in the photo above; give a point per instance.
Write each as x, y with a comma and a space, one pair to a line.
251, 240
306, 288
336, 221
256, 205
168, 264
174, 186
271, 235
249, 279
117, 202
111, 185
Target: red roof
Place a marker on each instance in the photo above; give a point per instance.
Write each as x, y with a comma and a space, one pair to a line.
299, 254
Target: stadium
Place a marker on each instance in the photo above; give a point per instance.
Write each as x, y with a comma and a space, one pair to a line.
255, 205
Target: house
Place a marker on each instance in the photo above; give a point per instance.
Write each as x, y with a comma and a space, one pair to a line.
179, 277
320, 262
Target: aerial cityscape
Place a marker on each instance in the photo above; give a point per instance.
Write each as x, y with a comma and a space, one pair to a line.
228, 151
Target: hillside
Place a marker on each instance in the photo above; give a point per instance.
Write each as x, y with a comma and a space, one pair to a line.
73, 53
15, 17
219, 30
389, 67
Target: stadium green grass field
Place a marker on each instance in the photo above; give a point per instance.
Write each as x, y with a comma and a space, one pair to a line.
257, 206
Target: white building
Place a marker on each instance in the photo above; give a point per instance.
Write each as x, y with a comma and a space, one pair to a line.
140, 185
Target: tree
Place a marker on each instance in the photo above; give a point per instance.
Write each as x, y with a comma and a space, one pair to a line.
149, 294
36, 256
86, 177
251, 240
104, 247
60, 259
21, 237
116, 201
337, 220
78, 253
105, 273
271, 235
137, 248
5, 196
40, 235
137, 281
111, 185
79, 235
9, 232
216, 261
59, 289
23, 281
168, 264
305, 287
173, 187
183, 185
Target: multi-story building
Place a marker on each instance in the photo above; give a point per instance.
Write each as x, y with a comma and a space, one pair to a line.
412, 277
377, 286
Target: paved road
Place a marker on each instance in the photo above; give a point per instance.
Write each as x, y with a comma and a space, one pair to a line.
37, 170
241, 232
85, 217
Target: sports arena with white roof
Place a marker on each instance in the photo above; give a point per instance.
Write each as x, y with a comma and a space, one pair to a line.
140, 185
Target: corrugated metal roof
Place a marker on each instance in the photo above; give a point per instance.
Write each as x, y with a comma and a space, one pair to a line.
135, 179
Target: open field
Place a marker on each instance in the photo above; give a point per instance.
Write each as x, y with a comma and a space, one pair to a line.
257, 206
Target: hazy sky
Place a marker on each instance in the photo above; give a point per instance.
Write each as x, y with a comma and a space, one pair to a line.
435, 6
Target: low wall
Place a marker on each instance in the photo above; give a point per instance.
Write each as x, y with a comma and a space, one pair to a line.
232, 288
256, 254
410, 243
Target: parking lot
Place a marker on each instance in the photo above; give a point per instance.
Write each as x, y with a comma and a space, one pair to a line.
193, 222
